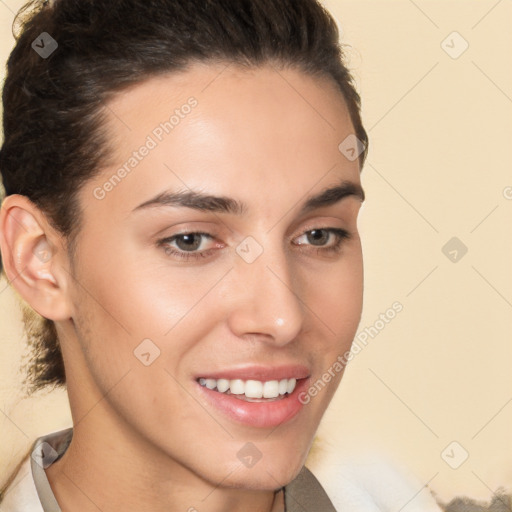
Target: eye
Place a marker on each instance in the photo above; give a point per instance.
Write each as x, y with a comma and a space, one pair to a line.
321, 236
187, 245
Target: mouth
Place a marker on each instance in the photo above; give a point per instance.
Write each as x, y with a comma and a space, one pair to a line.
265, 398
251, 390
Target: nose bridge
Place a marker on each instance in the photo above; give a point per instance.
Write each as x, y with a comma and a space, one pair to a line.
267, 300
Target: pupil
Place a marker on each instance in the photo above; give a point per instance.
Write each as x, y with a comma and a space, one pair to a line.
189, 241
317, 231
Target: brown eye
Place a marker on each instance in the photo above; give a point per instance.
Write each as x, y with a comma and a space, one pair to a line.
188, 242
186, 245
319, 237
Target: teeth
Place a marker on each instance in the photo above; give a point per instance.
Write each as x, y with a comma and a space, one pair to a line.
251, 388
237, 387
270, 389
291, 385
222, 385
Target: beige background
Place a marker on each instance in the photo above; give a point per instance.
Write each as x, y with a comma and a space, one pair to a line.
439, 167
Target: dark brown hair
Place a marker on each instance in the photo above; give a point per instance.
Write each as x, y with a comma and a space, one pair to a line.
54, 105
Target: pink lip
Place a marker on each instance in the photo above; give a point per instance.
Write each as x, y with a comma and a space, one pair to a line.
259, 372
257, 414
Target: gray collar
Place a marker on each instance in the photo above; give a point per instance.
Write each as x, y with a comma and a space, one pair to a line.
305, 494
47, 450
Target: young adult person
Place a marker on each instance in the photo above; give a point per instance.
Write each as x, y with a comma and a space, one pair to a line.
182, 187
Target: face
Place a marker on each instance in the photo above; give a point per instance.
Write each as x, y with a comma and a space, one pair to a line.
176, 297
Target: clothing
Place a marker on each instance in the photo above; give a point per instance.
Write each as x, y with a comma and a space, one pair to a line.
30, 491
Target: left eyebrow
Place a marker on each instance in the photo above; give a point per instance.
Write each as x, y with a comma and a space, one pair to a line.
222, 204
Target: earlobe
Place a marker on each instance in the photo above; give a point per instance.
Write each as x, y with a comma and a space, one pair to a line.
29, 257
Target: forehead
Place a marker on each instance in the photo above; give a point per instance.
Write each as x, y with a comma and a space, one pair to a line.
262, 100
220, 127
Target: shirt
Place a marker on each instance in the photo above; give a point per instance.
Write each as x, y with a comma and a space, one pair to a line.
30, 490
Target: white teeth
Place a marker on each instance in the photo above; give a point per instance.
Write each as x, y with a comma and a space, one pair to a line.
237, 387
251, 388
222, 385
211, 383
289, 388
271, 389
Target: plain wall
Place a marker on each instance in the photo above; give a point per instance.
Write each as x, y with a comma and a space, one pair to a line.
438, 167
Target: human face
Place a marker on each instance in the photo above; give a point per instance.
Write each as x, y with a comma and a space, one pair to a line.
263, 296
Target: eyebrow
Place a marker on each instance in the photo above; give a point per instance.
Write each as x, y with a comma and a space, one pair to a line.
222, 204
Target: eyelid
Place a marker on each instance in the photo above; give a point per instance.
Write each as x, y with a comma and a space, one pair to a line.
318, 224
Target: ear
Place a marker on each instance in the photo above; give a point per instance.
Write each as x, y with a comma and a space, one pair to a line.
34, 258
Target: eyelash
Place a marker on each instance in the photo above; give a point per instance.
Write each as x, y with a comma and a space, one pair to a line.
340, 234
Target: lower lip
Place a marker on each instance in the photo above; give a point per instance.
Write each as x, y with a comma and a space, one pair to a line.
257, 414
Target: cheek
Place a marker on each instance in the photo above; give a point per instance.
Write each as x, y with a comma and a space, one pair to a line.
336, 296
134, 293
130, 304
133, 363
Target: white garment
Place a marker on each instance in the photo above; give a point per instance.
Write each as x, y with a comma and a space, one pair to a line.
21, 495
371, 483
352, 485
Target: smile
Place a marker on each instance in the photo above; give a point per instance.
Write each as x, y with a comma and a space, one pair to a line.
251, 389
255, 403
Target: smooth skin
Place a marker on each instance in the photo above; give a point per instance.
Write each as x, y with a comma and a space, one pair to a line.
144, 439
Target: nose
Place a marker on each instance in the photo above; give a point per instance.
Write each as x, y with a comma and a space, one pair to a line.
265, 301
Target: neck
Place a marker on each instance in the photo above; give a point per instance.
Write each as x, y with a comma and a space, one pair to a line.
105, 473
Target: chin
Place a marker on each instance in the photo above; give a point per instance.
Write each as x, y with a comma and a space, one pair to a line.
262, 479
271, 472
269, 469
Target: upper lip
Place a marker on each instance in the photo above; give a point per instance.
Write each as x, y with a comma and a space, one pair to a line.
259, 372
